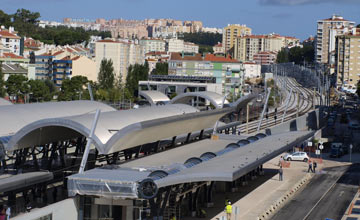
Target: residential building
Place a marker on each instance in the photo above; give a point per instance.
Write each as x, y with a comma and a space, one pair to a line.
63, 64
13, 69
347, 56
10, 40
252, 70
231, 32
156, 57
227, 71
122, 53
175, 45
247, 46
152, 44
212, 30
265, 57
191, 47
327, 30
218, 48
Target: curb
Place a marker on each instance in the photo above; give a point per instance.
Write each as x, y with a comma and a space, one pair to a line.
273, 208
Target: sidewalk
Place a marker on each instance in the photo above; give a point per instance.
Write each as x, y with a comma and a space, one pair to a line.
263, 191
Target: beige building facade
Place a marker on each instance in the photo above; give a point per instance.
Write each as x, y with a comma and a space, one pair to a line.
122, 53
230, 34
347, 60
327, 30
247, 46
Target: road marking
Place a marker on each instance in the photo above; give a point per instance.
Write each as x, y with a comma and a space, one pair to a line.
341, 193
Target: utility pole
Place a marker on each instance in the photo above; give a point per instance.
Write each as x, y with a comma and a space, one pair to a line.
314, 97
247, 118
298, 103
265, 107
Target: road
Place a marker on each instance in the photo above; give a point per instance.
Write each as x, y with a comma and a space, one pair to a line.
327, 195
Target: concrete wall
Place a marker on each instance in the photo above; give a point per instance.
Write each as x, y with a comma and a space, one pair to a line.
309, 121
66, 209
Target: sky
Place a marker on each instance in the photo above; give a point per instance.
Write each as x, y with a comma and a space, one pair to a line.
287, 17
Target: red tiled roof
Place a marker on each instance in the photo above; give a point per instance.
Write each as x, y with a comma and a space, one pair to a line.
178, 56
69, 50
76, 58
7, 34
107, 41
11, 55
155, 53
213, 58
66, 58
218, 45
57, 53
45, 54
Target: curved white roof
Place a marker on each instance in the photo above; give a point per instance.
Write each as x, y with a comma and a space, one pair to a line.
14, 117
153, 97
117, 130
214, 98
4, 102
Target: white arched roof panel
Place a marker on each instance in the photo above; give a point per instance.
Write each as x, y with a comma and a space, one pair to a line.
214, 98
154, 97
15, 117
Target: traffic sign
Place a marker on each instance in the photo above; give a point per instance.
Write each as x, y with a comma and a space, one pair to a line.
321, 142
321, 147
309, 144
317, 152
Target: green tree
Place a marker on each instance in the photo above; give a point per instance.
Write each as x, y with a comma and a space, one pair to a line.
2, 83
39, 91
297, 55
106, 76
358, 26
202, 38
17, 86
161, 69
282, 56
136, 73
73, 89
5, 19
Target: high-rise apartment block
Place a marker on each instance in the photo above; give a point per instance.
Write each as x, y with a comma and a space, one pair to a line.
327, 30
247, 46
231, 32
122, 53
347, 58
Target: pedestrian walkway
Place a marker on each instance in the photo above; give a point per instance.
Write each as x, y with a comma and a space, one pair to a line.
266, 191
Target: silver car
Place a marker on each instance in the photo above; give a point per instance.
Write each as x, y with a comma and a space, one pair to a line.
301, 156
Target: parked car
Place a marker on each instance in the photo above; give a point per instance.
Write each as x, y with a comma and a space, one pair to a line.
336, 152
354, 126
302, 156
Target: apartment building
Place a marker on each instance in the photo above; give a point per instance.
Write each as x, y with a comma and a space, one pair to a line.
153, 45
123, 53
265, 57
231, 32
218, 48
327, 30
10, 40
63, 64
228, 72
191, 47
247, 46
347, 56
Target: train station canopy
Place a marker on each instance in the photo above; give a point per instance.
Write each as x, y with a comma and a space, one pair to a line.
154, 97
207, 160
214, 98
37, 124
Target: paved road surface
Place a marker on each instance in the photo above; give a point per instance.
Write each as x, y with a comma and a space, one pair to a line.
326, 196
